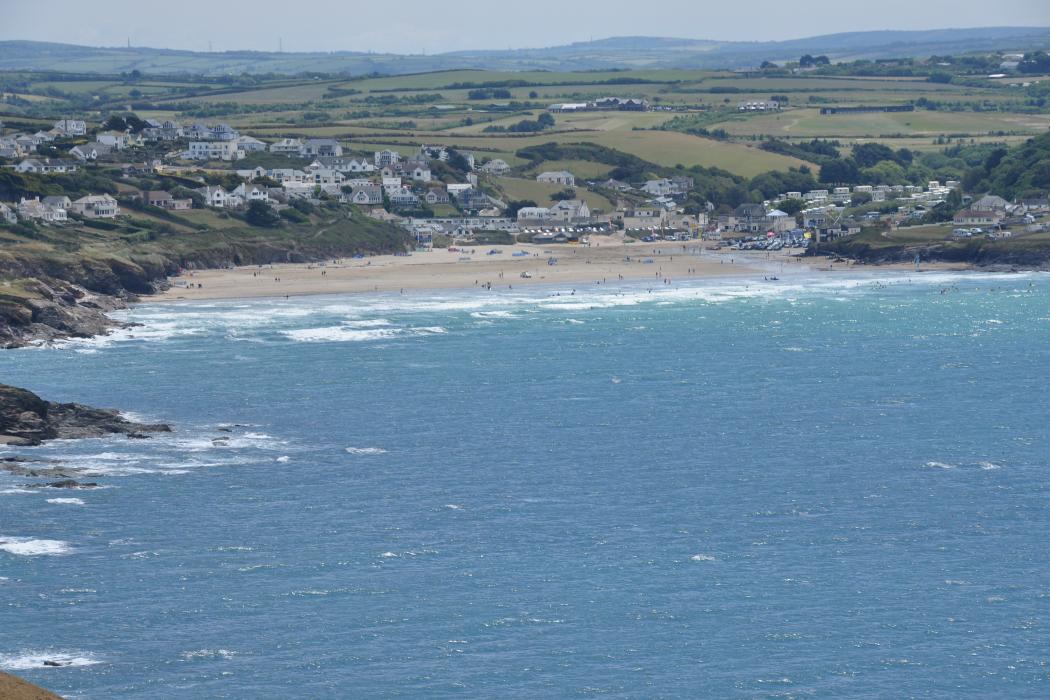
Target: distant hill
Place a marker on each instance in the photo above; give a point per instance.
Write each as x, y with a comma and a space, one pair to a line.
603, 54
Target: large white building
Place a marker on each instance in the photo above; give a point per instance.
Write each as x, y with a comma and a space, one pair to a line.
214, 150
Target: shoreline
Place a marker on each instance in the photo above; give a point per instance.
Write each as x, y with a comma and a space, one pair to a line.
582, 267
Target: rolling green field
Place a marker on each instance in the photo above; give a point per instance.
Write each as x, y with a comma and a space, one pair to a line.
810, 123
540, 192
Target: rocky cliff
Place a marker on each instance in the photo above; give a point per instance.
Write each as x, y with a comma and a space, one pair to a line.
27, 419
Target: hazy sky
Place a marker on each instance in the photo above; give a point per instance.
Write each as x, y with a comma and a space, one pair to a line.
433, 26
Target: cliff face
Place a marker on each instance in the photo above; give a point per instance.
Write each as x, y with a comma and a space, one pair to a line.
27, 419
59, 293
1007, 254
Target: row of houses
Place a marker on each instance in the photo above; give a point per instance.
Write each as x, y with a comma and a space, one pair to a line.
55, 209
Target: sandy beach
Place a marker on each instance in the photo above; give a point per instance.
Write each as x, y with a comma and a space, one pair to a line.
606, 261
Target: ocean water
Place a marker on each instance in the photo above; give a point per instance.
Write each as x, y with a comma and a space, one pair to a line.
813, 488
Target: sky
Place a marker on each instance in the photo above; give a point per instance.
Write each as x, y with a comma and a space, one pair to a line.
429, 26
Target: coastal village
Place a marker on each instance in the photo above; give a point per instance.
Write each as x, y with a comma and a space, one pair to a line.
442, 195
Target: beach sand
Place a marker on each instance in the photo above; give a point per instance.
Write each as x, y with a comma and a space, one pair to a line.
607, 260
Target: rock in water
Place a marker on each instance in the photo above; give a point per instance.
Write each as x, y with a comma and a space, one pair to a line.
27, 419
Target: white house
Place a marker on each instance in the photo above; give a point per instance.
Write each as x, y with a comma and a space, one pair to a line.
214, 196
214, 150
288, 147
96, 206
117, 140
45, 166
404, 198
252, 193
35, 209
90, 151
570, 210
557, 177
386, 158
249, 144
496, 166
71, 127
343, 165
367, 195
7, 214
534, 214
419, 172
313, 148
659, 188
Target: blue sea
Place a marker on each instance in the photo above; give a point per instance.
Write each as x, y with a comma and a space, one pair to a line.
816, 487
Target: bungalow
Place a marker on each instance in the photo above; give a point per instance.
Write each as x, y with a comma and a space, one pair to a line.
313, 148
287, 147
90, 151
534, 214
616, 185
976, 217
97, 206
250, 144
164, 200
35, 209
46, 166
71, 127
557, 177
286, 175
496, 166
252, 174
456, 189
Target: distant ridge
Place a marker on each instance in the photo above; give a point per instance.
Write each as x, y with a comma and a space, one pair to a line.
615, 53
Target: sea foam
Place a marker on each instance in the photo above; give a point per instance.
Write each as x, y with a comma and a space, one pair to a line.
26, 660
31, 547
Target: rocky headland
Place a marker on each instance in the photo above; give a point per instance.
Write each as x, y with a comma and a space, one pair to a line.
26, 420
